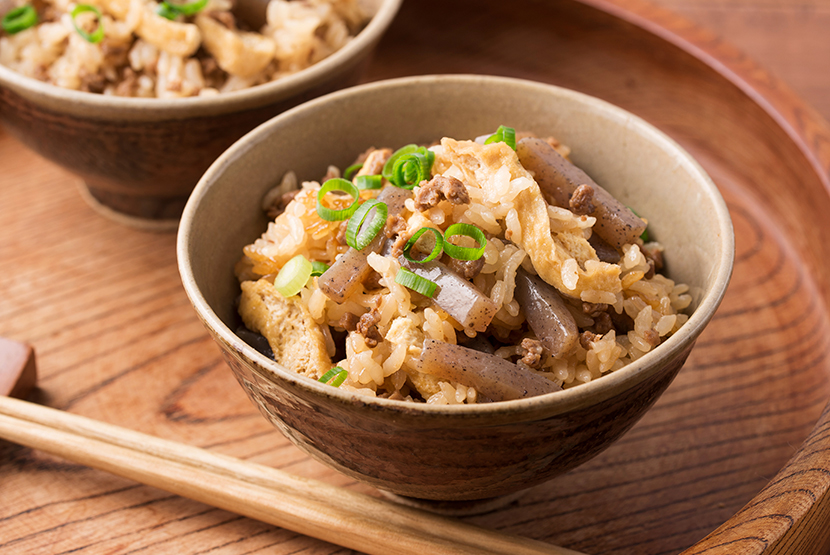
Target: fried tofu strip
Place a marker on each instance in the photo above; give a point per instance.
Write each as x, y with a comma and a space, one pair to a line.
549, 253
178, 39
237, 52
294, 336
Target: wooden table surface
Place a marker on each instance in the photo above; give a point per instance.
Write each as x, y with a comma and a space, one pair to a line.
116, 339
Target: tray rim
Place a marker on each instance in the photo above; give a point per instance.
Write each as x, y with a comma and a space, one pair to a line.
811, 134
806, 524
809, 130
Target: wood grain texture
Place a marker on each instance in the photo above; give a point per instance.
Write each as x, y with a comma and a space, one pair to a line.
788, 37
310, 507
117, 340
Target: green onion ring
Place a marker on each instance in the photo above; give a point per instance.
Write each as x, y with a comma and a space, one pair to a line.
339, 375
390, 163
19, 19
356, 236
364, 182
464, 253
337, 184
293, 276
503, 135
436, 250
164, 10
351, 170
188, 8
410, 172
410, 169
318, 268
413, 281
98, 34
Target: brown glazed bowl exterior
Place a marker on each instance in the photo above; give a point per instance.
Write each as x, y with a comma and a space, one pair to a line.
459, 452
140, 158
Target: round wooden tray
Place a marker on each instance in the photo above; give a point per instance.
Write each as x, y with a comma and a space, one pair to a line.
734, 458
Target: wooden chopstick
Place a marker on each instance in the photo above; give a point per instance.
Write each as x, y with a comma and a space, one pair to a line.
307, 506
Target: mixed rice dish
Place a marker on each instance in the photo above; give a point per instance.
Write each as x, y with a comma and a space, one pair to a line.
171, 49
468, 271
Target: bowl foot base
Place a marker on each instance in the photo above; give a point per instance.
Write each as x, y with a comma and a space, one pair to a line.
456, 508
149, 214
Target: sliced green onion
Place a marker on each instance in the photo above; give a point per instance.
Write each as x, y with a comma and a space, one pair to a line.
436, 250
408, 166
351, 170
293, 276
503, 135
415, 282
464, 253
390, 163
337, 184
644, 235
364, 182
339, 375
98, 34
19, 19
359, 237
165, 9
410, 169
167, 12
318, 268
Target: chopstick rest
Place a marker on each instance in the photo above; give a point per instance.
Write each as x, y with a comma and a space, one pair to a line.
18, 371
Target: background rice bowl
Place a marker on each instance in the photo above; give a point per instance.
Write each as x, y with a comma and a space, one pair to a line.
120, 146
83, 103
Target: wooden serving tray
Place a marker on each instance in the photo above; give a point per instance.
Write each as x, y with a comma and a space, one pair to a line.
738, 449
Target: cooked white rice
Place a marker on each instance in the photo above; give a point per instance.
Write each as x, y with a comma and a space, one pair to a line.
654, 305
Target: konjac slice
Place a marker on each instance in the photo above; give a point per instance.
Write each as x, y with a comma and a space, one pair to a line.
492, 376
546, 314
455, 295
558, 179
350, 269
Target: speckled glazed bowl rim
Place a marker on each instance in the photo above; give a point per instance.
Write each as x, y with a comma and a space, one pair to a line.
101, 106
551, 403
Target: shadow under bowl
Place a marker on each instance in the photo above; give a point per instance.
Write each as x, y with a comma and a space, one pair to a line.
139, 158
461, 452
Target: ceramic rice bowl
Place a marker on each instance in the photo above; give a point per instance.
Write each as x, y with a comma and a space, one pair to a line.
460, 452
